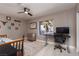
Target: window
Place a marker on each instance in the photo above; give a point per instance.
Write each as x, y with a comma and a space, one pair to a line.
46, 27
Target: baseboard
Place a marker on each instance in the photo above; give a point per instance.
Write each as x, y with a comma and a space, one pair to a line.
44, 41
71, 47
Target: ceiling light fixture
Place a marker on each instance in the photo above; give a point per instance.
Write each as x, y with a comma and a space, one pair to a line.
26, 12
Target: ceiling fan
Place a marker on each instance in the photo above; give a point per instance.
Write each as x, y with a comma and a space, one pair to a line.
26, 11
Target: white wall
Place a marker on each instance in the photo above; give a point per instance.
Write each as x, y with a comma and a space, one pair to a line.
63, 18
13, 34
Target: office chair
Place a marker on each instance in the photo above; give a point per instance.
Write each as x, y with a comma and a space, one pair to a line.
59, 39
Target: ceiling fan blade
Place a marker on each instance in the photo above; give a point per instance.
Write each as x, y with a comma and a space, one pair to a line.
20, 12
30, 14
25, 9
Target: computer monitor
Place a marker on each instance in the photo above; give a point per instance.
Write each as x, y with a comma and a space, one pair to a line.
64, 30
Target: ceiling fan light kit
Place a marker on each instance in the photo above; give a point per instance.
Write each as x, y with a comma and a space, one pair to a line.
26, 11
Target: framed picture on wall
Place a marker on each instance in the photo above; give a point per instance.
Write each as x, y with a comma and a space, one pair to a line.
33, 25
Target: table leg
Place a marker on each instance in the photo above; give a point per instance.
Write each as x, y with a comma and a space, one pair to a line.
46, 41
68, 50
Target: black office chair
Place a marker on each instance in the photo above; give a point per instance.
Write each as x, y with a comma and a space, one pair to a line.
59, 39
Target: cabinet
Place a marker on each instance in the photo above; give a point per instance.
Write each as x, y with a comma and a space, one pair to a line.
31, 36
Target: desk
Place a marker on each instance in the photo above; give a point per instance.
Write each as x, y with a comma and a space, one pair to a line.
65, 35
47, 34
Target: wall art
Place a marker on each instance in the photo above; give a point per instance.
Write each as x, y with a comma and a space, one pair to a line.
4, 22
16, 28
12, 24
33, 25
0, 27
18, 24
8, 18
17, 21
9, 27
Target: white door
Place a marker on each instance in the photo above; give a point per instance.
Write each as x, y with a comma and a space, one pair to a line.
77, 31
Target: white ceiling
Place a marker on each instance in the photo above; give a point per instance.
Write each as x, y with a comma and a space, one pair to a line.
37, 9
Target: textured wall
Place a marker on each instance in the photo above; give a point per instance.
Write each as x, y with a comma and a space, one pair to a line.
12, 33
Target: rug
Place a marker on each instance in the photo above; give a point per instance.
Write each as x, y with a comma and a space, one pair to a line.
31, 48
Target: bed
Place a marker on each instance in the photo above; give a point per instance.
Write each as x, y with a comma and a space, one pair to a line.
8, 44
